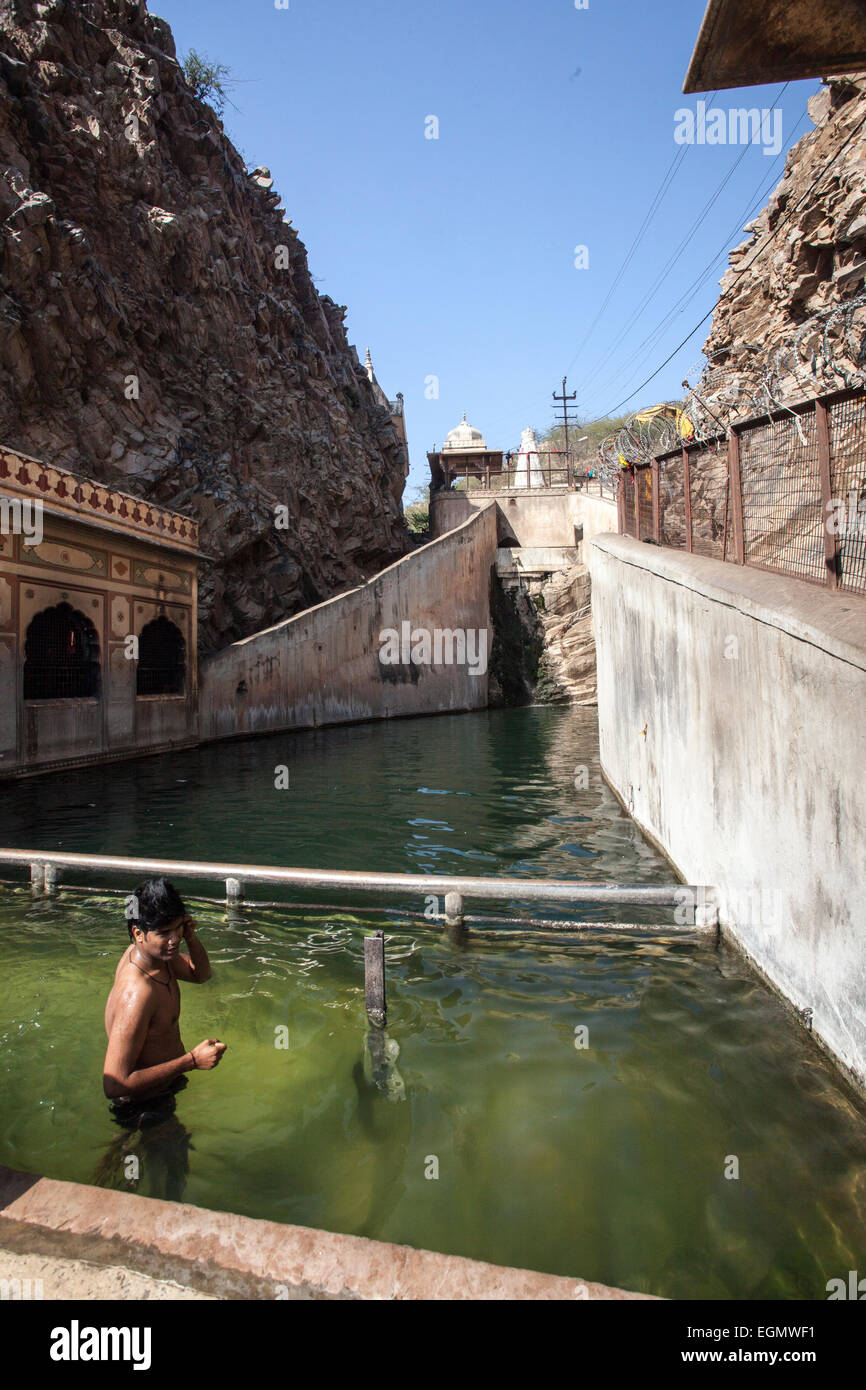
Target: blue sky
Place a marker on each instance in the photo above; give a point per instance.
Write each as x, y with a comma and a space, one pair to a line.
456, 255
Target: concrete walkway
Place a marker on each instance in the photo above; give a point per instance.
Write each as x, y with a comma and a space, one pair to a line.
50, 1277
82, 1240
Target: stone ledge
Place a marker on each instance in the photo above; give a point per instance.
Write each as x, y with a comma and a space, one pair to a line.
831, 620
231, 1256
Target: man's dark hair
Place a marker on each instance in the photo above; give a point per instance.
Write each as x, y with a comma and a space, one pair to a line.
154, 904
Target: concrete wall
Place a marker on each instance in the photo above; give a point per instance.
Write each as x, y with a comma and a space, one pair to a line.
531, 519
731, 711
322, 666
597, 517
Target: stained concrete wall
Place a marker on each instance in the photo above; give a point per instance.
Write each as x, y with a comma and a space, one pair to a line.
731, 710
530, 519
323, 667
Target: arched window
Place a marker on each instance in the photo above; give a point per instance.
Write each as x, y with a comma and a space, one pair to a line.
61, 656
161, 659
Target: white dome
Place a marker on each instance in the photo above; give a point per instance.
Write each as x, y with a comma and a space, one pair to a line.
464, 437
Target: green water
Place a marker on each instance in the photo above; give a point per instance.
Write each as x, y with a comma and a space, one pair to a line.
605, 1162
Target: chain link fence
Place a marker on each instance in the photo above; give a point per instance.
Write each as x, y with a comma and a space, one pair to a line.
786, 493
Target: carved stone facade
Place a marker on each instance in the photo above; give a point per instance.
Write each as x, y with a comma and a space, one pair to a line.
98, 622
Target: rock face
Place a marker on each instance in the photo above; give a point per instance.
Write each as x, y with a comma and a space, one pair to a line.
791, 316
159, 327
569, 646
543, 647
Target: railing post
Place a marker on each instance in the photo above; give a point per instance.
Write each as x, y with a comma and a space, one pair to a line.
455, 925
234, 891
687, 491
37, 877
656, 502
50, 879
736, 484
831, 542
453, 910
374, 978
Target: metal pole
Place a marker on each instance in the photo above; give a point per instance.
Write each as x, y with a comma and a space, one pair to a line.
374, 978
565, 399
687, 490
657, 526
831, 542
517, 889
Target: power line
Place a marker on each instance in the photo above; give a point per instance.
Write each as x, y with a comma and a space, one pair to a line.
757, 200
668, 267
658, 198
759, 250
673, 259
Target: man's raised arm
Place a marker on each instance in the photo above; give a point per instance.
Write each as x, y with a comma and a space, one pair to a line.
194, 968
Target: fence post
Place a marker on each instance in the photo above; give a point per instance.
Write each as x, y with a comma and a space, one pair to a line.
455, 925
831, 542
636, 476
374, 978
620, 505
234, 891
656, 501
736, 483
687, 491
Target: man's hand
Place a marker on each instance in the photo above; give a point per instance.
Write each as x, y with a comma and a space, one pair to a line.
195, 967
208, 1053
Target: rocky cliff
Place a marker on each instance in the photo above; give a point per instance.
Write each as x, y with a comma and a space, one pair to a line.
790, 322
543, 648
159, 327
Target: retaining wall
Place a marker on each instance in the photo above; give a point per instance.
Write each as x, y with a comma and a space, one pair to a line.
731, 710
323, 667
531, 519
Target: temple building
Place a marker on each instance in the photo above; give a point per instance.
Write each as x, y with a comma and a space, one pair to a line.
463, 455
98, 595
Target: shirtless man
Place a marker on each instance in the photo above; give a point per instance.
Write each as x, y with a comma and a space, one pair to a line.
145, 1060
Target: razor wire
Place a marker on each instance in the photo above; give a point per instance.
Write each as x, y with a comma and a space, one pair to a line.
826, 353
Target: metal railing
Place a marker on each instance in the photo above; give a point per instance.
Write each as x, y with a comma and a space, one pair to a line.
43, 867
553, 469
786, 493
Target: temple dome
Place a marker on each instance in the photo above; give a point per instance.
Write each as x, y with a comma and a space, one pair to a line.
464, 437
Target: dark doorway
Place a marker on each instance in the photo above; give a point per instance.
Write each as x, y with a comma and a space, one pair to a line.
161, 659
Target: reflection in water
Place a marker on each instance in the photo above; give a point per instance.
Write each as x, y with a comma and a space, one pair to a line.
151, 1159
380, 1064
378, 1082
